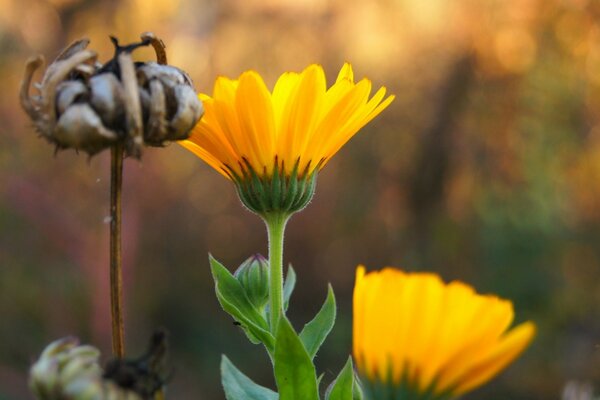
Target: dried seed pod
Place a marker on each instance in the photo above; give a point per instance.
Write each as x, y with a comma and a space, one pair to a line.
89, 106
174, 107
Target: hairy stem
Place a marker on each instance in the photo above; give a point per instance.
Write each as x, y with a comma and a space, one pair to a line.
116, 280
276, 226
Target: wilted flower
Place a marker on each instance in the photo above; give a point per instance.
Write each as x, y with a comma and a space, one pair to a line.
414, 334
272, 144
88, 106
68, 371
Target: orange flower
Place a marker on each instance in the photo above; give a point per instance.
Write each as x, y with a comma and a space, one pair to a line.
299, 124
413, 330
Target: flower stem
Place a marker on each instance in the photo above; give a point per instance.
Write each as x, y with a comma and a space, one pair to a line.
116, 281
276, 226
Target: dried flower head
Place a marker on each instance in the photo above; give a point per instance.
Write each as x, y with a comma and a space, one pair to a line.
88, 106
67, 370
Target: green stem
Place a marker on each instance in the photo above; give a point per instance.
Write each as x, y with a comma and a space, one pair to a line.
276, 226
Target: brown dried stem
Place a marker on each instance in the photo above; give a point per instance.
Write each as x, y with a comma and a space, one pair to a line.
116, 279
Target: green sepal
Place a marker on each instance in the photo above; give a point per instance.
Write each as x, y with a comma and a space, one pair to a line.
291, 189
238, 386
294, 371
235, 302
277, 182
288, 286
308, 191
405, 389
342, 388
265, 193
315, 332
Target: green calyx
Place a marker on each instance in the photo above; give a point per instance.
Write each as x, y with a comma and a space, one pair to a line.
253, 275
406, 389
277, 192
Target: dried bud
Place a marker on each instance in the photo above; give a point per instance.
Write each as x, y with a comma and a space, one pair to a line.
88, 106
68, 371
253, 274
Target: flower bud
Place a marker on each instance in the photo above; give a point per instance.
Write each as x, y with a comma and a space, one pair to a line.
253, 274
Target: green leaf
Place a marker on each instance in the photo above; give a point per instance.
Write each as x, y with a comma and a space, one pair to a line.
357, 392
294, 371
288, 286
319, 379
238, 386
314, 333
234, 301
342, 387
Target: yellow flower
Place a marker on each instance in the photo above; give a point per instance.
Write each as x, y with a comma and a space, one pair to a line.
413, 330
250, 133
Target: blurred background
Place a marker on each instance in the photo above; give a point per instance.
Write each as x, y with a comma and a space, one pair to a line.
486, 168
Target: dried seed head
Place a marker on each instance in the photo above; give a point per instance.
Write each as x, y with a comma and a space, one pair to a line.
67, 370
88, 106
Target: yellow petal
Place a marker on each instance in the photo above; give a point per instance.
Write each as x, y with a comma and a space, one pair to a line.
498, 358
443, 337
257, 124
245, 126
346, 73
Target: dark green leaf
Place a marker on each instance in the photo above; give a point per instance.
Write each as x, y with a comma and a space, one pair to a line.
294, 371
239, 387
314, 333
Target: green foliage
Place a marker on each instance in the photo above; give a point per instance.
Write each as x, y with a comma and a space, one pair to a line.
288, 286
342, 388
235, 302
238, 386
314, 333
294, 371
357, 392
291, 353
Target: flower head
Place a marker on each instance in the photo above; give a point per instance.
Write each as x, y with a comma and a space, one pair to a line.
67, 370
272, 143
85, 105
414, 332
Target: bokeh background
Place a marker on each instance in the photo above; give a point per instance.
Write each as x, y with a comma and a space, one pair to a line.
486, 168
